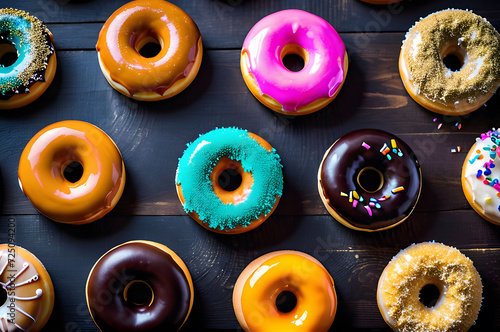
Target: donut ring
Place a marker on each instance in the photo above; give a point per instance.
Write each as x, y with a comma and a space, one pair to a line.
229, 211
257, 289
47, 156
369, 180
149, 21
27, 77
480, 177
109, 289
304, 34
29, 295
419, 265
468, 38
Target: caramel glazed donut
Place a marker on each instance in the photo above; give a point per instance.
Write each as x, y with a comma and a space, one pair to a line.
27, 58
403, 281
443, 36
139, 286
149, 78
369, 180
285, 291
48, 158
26, 293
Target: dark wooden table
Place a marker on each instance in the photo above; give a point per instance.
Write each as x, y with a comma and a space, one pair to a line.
152, 136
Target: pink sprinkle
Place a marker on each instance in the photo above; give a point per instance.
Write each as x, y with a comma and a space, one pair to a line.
459, 126
369, 210
372, 204
355, 203
440, 125
497, 187
435, 119
486, 182
366, 146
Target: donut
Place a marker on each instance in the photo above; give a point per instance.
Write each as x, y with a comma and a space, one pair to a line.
26, 293
27, 58
401, 290
211, 162
72, 146
139, 284
149, 77
450, 62
309, 291
293, 32
369, 180
480, 177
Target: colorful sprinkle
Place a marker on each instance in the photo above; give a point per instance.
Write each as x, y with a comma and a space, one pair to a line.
459, 126
355, 203
366, 146
440, 125
459, 148
453, 150
435, 119
393, 144
343, 194
388, 157
487, 199
479, 173
383, 198
355, 194
369, 210
398, 189
487, 172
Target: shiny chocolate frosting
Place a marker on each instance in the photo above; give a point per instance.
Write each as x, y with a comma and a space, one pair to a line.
140, 262
376, 150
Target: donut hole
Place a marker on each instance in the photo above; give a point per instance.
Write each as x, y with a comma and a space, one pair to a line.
429, 295
229, 179
138, 293
3, 296
370, 179
294, 57
454, 57
148, 46
286, 301
73, 171
8, 54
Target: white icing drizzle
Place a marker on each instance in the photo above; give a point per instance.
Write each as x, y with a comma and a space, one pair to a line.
6, 324
483, 194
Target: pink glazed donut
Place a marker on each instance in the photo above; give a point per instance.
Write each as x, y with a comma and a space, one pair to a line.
304, 34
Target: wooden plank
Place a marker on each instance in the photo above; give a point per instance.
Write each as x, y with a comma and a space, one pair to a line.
373, 96
354, 259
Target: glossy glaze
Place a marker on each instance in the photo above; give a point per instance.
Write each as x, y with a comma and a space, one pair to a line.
344, 161
30, 294
47, 154
151, 263
132, 24
323, 73
295, 272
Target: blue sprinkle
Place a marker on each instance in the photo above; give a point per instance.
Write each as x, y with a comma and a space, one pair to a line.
361, 198
487, 171
479, 173
395, 150
388, 157
377, 205
495, 181
499, 208
492, 165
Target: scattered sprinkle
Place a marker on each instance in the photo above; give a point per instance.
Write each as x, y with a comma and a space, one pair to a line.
343, 194
440, 125
366, 146
435, 119
398, 189
487, 199
369, 210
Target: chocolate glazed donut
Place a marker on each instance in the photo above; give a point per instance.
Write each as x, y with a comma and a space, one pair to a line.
369, 180
139, 286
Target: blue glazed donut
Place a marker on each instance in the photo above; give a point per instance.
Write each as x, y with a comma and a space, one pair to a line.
219, 208
27, 58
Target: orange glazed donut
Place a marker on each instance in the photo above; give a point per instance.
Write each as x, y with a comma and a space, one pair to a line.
285, 291
26, 291
27, 58
48, 160
163, 75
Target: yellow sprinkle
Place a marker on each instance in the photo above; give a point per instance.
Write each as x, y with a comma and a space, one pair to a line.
488, 199
393, 143
398, 189
343, 194
355, 194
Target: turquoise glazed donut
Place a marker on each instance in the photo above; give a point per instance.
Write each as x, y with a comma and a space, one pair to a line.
251, 169
27, 58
